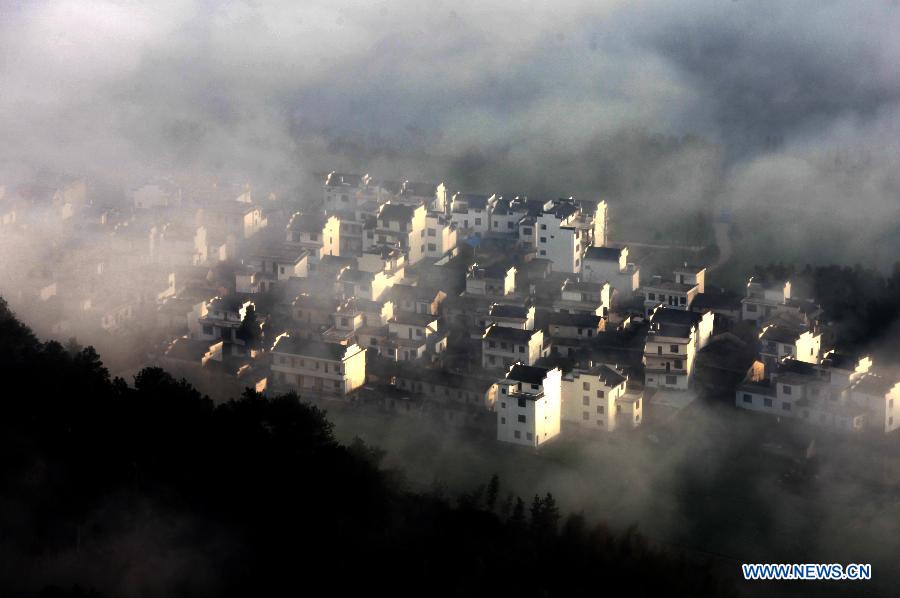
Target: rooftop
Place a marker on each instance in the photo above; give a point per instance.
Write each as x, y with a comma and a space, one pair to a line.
310, 348
504, 333
527, 373
604, 254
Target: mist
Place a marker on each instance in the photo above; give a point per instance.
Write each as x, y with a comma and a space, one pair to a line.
781, 119
754, 107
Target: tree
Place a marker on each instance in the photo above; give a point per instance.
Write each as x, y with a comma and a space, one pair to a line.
250, 331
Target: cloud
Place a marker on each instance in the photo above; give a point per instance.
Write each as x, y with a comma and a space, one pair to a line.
720, 102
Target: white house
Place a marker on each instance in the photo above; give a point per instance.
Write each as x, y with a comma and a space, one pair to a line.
778, 342
602, 264
321, 367
502, 346
673, 340
320, 236
496, 280
400, 226
561, 234
676, 293
415, 336
528, 405
469, 212
584, 298
511, 316
440, 235
596, 398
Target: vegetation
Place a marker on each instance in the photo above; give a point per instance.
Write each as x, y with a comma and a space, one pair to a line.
110, 489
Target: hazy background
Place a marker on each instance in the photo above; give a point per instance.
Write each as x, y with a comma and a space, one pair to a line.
784, 114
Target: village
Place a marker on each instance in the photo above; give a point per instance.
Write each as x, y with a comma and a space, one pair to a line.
519, 319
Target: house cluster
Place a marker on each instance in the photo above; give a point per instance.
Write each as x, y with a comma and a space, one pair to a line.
799, 374
501, 311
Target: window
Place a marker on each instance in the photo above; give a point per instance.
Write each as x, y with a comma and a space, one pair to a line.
478, 222
281, 269
599, 422
432, 247
601, 394
659, 350
543, 227
600, 409
767, 402
671, 380
651, 296
492, 344
585, 415
748, 398
543, 239
677, 364
522, 403
891, 404
786, 389
509, 224
682, 300
535, 386
503, 420
526, 231
586, 385
503, 403
517, 434
207, 329
751, 308
432, 232
585, 400
674, 348
786, 406
543, 252
521, 348
788, 349
891, 421
344, 321
529, 436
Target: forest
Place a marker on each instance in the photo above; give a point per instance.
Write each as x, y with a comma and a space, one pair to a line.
111, 488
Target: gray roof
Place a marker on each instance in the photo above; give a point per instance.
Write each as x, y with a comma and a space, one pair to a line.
515, 335
580, 320
396, 212
508, 311
604, 254
609, 376
527, 373
309, 348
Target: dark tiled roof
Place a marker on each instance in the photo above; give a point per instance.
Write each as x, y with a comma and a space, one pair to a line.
413, 319
527, 373
515, 335
579, 320
345, 180
780, 334
604, 254
508, 311
396, 212
609, 376
309, 348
